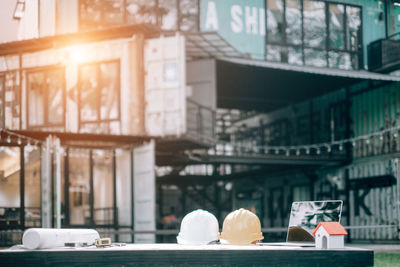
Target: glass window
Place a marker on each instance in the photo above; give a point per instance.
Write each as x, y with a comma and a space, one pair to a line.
353, 27
79, 186
89, 14
55, 98
295, 56
274, 52
10, 186
140, 11
188, 16
113, 12
88, 93
100, 13
109, 92
1, 100
45, 97
99, 95
36, 98
293, 21
314, 23
168, 13
12, 100
336, 26
275, 26
315, 57
340, 60
32, 186
96, 14
103, 186
302, 36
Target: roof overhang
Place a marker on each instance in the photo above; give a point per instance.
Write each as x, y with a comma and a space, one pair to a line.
56, 41
259, 85
208, 45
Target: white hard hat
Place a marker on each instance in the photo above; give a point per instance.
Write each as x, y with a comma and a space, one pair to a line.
198, 227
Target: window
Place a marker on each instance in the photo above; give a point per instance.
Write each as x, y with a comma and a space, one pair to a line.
99, 97
10, 191
91, 181
2, 85
293, 22
32, 186
103, 187
99, 13
317, 33
79, 186
169, 15
188, 15
314, 23
275, 22
46, 98
140, 11
11, 100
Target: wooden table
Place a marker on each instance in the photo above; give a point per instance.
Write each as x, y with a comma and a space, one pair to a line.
179, 255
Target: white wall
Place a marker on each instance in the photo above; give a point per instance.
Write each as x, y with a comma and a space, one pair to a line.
28, 27
67, 16
47, 15
56, 17
9, 26
334, 241
201, 78
165, 86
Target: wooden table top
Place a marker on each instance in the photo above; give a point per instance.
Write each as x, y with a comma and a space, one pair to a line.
183, 255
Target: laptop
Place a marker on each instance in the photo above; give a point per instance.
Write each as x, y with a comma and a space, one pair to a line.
304, 218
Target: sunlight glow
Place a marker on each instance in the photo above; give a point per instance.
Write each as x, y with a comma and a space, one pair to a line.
76, 54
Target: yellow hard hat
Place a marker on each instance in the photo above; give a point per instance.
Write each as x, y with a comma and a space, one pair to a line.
241, 227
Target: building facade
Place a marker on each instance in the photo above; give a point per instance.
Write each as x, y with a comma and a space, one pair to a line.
250, 104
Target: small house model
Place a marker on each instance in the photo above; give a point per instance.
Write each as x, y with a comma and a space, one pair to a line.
329, 235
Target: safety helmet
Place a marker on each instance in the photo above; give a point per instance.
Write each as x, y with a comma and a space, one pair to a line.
241, 227
198, 227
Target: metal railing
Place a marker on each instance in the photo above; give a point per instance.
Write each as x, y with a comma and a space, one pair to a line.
200, 122
384, 54
10, 217
377, 145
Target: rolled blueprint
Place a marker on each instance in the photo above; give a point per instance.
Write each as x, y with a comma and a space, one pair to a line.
37, 238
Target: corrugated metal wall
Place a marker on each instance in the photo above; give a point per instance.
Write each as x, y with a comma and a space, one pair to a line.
375, 206
373, 111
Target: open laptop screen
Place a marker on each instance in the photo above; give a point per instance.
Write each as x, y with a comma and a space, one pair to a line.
305, 216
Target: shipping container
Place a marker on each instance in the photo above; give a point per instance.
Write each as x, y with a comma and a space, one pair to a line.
73, 72
374, 199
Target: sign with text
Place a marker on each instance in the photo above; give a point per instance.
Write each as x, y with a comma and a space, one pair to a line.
144, 192
239, 22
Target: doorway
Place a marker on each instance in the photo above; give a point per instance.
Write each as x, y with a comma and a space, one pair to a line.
324, 242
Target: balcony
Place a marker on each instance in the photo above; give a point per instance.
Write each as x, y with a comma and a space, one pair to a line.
384, 54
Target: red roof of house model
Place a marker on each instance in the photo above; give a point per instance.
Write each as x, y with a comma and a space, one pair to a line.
333, 228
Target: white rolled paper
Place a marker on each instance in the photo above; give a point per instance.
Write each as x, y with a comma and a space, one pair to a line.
37, 238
